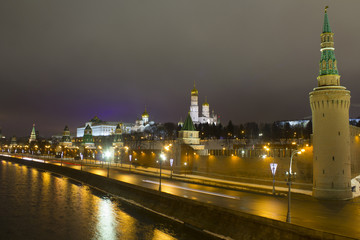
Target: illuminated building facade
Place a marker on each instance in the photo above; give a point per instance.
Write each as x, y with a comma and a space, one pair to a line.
204, 117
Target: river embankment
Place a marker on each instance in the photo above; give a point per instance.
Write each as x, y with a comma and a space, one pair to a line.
225, 223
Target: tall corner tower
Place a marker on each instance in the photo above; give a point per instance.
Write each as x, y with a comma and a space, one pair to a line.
194, 107
330, 104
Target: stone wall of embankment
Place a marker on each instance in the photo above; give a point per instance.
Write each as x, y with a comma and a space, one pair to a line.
229, 223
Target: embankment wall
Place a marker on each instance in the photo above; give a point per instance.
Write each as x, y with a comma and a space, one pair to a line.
222, 221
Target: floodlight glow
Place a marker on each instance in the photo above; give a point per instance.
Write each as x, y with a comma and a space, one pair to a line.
107, 154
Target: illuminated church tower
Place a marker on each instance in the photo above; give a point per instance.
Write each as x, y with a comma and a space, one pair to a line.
194, 107
145, 117
330, 104
32, 135
206, 109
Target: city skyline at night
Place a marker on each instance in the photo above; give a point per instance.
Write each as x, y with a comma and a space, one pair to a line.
62, 64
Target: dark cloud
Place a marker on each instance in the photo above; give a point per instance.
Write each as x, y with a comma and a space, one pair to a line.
62, 62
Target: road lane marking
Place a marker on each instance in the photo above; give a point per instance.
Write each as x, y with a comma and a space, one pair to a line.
192, 190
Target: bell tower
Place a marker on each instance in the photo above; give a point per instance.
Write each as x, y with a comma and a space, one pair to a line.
330, 104
194, 107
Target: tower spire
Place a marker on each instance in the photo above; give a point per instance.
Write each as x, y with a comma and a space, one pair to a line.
33, 134
326, 27
328, 63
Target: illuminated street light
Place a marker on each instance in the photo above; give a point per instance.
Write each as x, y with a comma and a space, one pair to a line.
130, 156
162, 158
107, 155
291, 175
171, 164
185, 164
273, 167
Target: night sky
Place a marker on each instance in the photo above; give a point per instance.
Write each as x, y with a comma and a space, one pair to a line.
63, 62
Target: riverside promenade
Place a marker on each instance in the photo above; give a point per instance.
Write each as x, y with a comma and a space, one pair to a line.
336, 218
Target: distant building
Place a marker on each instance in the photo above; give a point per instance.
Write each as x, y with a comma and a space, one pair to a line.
13, 142
118, 142
102, 128
88, 139
205, 116
143, 123
66, 139
188, 135
32, 135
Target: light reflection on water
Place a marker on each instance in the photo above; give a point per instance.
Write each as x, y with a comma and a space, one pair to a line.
42, 205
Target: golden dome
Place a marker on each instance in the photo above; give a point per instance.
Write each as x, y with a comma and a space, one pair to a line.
205, 103
194, 92
145, 114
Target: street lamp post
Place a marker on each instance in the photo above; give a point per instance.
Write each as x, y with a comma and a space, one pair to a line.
107, 156
185, 164
171, 164
273, 167
162, 158
291, 175
130, 156
81, 159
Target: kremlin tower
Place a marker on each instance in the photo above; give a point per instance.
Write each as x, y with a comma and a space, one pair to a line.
330, 104
66, 138
32, 135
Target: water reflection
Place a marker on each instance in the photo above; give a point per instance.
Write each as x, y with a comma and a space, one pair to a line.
106, 225
42, 205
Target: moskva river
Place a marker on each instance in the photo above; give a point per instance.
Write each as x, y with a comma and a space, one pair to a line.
40, 205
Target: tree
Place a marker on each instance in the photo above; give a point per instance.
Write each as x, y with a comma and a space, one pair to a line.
252, 130
266, 130
230, 130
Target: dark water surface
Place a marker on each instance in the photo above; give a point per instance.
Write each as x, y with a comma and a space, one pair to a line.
40, 205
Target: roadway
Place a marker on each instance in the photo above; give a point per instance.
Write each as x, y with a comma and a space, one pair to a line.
339, 217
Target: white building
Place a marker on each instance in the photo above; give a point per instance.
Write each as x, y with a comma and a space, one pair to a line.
143, 123
205, 116
103, 128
